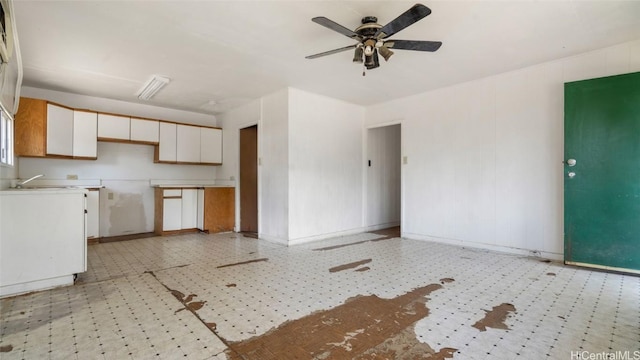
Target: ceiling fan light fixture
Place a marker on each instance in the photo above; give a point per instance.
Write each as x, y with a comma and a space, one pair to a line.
357, 57
369, 47
385, 52
152, 86
369, 62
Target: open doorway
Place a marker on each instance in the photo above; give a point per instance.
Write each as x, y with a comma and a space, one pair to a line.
249, 180
384, 196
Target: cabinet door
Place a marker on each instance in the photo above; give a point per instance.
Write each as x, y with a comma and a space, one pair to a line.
113, 127
211, 146
219, 209
93, 214
85, 142
145, 130
189, 208
59, 130
172, 214
188, 144
30, 127
167, 143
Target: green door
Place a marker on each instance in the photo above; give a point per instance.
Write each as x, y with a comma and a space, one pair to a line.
602, 187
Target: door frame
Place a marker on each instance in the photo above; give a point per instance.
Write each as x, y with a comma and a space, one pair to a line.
365, 177
238, 188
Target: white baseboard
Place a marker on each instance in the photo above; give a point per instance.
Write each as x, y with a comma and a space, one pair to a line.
309, 239
38, 285
273, 239
491, 247
382, 226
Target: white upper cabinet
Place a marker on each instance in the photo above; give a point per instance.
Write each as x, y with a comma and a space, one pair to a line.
167, 142
210, 146
188, 144
59, 130
113, 127
145, 130
85, 142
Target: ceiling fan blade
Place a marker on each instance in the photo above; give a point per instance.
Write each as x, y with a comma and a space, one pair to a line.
330, 52
330, 24
409, 17
413, 45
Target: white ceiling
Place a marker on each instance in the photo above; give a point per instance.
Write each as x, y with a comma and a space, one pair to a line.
234, 51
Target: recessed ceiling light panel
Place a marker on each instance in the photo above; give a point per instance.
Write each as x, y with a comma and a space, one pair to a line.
152, 86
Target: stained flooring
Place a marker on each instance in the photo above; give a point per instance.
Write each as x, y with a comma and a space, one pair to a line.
366, 296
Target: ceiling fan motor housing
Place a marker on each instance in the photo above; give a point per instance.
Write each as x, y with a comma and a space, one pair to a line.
369, 27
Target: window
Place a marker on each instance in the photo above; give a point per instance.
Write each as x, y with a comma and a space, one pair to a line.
6, 138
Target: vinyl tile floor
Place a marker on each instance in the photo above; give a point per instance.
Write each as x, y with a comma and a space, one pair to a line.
365, 296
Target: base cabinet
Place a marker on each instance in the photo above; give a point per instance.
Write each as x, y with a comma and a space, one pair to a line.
219, 209
210, 209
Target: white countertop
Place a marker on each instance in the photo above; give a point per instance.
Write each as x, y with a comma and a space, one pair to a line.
176, 184
43, 190
184, 186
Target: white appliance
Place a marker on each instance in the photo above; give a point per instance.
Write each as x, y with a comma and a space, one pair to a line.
42, 238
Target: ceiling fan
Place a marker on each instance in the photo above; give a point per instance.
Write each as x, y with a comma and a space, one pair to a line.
373, 38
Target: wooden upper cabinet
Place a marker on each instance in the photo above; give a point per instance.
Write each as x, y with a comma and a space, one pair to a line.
31, 128
113, 127
45, 129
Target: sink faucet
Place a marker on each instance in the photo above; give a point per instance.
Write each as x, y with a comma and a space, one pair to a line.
19, 185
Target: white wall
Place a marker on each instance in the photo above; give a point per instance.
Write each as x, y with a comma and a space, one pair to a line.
273, 168
310, 149
7, 173
383, 176
232, 121
124, 169
485, 157
325, 166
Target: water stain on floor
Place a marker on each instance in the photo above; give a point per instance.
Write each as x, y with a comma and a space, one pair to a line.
349, 265
446, 280
6, 348
495, 317
231, 285
242, 263
363, 327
